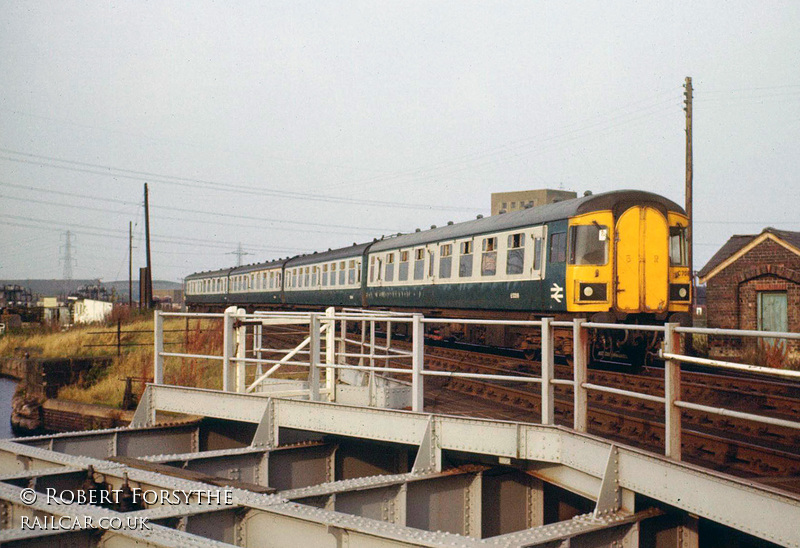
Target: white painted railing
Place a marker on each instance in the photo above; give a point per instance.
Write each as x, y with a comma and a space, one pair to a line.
373, 358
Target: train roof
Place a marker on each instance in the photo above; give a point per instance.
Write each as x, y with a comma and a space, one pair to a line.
259, 266
355, 250
617, 200
208, 274
236, 269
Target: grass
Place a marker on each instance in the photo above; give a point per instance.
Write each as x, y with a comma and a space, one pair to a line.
107, 385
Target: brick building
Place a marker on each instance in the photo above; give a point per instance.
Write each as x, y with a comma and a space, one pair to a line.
753, 282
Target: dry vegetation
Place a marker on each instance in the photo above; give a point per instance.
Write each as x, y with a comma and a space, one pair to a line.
107, 385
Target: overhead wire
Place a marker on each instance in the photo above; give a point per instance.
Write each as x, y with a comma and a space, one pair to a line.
115, 172
196, 211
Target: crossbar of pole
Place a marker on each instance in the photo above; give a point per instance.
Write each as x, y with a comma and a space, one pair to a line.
565, 382
460, 374
738, 414
732, 365
621, 392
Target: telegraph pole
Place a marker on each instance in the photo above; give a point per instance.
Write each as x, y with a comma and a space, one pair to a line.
149, 282
130, 264
689, 228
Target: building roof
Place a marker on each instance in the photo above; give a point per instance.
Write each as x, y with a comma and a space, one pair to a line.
739, 244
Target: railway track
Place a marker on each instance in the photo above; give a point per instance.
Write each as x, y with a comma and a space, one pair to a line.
737, 446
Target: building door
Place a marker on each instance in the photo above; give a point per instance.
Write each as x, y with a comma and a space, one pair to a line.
772, 311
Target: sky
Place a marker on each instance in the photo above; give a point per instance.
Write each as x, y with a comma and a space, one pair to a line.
290, 127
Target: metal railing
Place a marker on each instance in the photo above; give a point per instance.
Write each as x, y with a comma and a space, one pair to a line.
375, 358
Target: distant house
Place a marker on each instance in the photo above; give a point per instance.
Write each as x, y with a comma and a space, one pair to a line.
753, 282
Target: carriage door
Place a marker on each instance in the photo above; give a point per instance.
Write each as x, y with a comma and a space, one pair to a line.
642, 260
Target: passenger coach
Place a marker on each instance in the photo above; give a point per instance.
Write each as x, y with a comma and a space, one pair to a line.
617, 256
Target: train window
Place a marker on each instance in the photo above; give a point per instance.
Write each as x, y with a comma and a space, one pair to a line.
314, 276
465, 261
390, 267
558, 247
445, 260
588, 244
278, 279
307, 277
342, 272
489, 256
677, 246
358, 272
402, 272
537, 254
431, 260
378, 269
516, 253
372, 269
351, 273
419, 263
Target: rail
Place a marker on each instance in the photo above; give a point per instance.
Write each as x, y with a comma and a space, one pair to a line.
325, 349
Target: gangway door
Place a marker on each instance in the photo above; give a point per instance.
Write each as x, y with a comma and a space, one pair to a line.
642, 260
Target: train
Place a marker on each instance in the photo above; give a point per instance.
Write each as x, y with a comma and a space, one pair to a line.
614, 257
